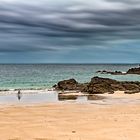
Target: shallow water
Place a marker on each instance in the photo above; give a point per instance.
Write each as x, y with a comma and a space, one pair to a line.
52, 97
46, 75
49, 97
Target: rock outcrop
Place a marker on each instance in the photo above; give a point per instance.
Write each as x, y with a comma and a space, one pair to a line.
134, 71
130, 71
70, 84
111, 72
99, 85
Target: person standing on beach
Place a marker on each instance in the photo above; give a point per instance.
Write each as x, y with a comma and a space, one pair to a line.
19, 95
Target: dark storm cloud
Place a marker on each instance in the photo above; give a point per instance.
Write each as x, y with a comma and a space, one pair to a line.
30, 26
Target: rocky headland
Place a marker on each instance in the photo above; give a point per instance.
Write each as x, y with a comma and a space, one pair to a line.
130, 71
134, 71
99, 85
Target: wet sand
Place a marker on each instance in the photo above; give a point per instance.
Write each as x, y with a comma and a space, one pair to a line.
118, 119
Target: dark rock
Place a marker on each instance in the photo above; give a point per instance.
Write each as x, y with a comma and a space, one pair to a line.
111, 72
98, 85
70, 84
118, 86
99, 88
55, 86
4, 90
82, 87
130, 71
131, 86
99, 71
134, 71
102, 80
103, 72
117, 73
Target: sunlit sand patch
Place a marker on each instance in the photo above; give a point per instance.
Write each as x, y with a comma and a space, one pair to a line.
42, 139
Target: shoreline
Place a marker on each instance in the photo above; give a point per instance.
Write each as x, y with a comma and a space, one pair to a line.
52, 97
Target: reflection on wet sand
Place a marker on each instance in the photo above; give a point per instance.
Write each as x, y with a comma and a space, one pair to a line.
86, 97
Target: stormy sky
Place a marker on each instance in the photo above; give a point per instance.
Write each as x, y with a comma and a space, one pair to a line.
69, 31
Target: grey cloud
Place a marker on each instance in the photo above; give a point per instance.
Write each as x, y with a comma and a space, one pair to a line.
65, 25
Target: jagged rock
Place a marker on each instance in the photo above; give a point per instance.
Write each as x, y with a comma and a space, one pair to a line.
118, 86
98, 85
111, 72
131, 86
70, 84
81, 87
117, 73
134, 71
103, 72
102, 80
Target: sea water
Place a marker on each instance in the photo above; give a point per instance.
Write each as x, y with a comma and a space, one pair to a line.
32, 76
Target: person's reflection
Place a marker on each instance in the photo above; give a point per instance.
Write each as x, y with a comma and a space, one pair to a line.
19, 95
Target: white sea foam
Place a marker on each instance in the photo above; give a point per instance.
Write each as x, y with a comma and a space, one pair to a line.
26, 91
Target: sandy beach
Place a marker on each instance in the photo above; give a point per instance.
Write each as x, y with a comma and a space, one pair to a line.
73, 121
69, 70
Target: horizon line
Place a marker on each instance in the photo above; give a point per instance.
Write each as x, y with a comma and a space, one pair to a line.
70, 63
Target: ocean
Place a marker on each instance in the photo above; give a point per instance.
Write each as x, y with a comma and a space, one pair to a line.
33, 76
